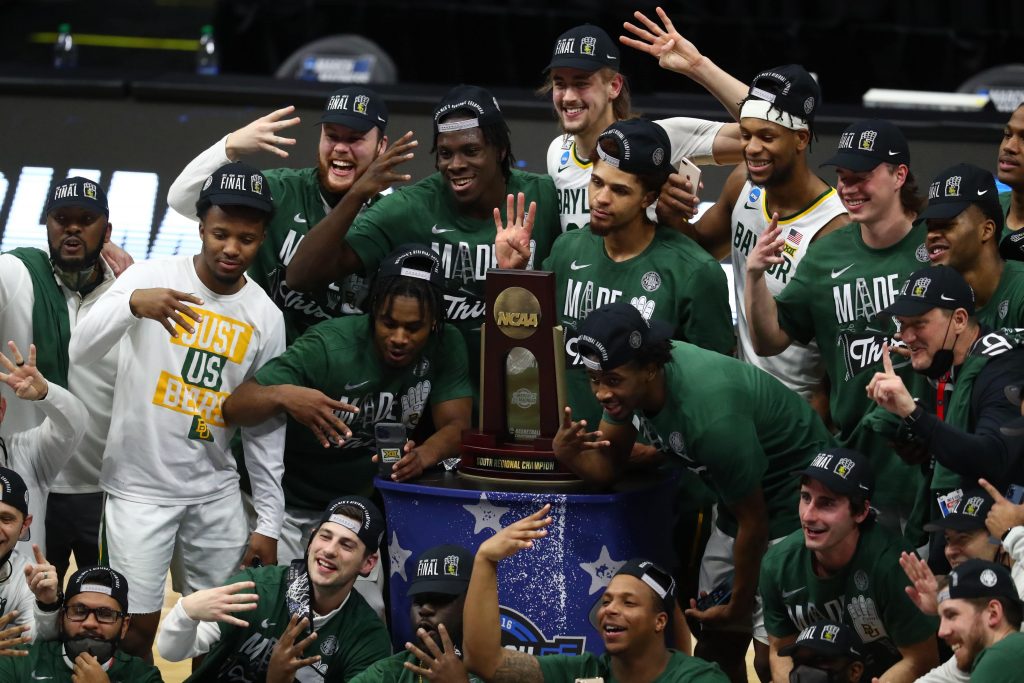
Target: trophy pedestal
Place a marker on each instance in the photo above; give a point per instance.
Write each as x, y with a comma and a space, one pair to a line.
485, 456
546, 593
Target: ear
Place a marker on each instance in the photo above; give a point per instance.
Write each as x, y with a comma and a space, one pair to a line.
110, 229
124, 626
368, 564
615, 86
960, 319
649, 199
988, 230
857, 669
901, 175
382, 144
660, 622
803, 139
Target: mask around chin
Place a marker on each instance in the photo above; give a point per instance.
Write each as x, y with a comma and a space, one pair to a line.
942, 361
102, 650
810, 674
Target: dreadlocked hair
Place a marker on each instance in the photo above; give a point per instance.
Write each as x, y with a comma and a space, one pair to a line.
383, 290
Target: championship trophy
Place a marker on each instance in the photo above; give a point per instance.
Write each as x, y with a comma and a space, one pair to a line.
522, 386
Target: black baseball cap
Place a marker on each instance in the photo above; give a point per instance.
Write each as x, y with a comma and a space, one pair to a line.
643, 147
413, 260
956, 188
236, 184
585, 47
1011, 247
99, 580
78, 191
968, 515
357, 107
369, 527
789, 88
614, 333
932, 287
843, 471
13, 491
443, 569
980, 579
866, 144
467, 99
827, 639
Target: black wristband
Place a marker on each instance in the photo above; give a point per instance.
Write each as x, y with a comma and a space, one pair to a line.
911, 419
53, 606
1006, 533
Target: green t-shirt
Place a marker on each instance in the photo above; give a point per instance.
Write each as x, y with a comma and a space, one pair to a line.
426, 212
681, 668
391, 670
1006, 307
351, 640
338, 357
1000, 663
868, 595
834, 299
1005, 199
740, 428
672, 280
45, 661
298, 206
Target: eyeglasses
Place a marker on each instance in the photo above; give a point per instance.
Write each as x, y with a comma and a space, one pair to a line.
104, 615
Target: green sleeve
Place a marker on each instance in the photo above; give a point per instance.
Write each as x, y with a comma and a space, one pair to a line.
303, 363
375, 230
731, 451
1000, 663
704, 314
451, 380
548, 221
387, 670
776, 620
794, 309
141, 672
904, 623
567, 668
364, 649
16, 668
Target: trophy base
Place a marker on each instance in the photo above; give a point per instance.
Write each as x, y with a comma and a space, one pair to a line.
486, 458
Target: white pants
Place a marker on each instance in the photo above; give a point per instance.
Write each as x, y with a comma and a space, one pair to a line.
206, 542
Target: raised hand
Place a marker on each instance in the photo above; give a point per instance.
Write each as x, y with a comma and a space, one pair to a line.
678, 199
767, 252
12, 636
886, 388
287, 658
165, 306
516, 536
381, 174
117, 258
1004, 515
923, 589
262, 135
42, 578
221, 603
442, 664
664, 43
317, 410
512, 243
411, 465
573, 438
22, 375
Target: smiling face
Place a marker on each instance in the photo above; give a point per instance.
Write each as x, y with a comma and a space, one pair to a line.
91, 627
871, 196
13, 524
770, 151
583, 99
617, 199
471, 167
968, 545
828, 524
231, 237
1011, 152
621, 390
76, 235
630, 615
336, 557
344, 154
962, 627
925, 334
957, 242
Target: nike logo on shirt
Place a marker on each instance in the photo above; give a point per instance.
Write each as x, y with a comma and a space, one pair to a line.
350, 387
837, 273
579, 267
267, 623
787, 594
298, 218
439, 231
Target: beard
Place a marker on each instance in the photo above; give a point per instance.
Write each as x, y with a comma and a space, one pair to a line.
82, 263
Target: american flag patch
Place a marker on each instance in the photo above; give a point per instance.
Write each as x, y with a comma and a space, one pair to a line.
794, 236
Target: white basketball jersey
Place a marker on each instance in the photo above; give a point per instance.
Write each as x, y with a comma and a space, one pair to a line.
799, 367
690, 138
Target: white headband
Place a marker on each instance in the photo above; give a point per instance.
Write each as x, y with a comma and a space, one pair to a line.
451, 126
766, 111
607, 158
350, 524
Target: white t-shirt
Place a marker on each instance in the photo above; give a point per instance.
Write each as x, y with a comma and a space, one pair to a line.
690, 138
168, 442
799, 367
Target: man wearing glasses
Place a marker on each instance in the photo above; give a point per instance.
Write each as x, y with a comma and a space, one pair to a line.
93, 620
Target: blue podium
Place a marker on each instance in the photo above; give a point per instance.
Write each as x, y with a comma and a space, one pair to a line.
546, 593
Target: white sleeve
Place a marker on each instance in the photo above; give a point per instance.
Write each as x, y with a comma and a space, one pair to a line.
108, 320
947, 672
263, 448
554, 153
44, 450
181, 637
47, 626
691, 138
1014, 544
14, 277
185, 189
20, 597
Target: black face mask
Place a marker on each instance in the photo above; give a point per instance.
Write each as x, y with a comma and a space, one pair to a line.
942, 360
809, 674
102, 650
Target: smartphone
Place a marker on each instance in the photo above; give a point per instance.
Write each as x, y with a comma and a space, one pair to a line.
719, 595
691, 172
391, 440
1015, 494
